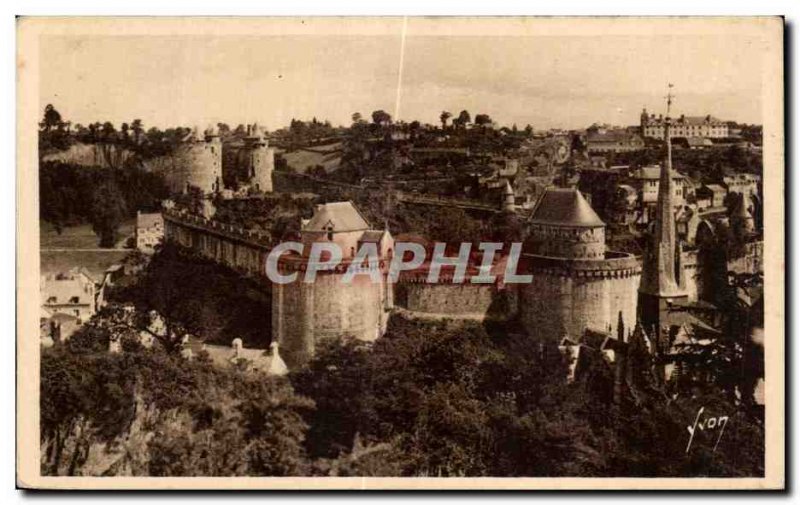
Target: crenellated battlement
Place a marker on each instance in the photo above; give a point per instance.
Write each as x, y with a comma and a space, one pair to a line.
200, 223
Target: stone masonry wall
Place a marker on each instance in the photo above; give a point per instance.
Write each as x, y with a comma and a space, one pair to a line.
477, 301
566, 297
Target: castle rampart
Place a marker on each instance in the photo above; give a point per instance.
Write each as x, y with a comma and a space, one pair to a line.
567, 296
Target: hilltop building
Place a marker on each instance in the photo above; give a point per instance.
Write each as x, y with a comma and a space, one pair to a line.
685, 126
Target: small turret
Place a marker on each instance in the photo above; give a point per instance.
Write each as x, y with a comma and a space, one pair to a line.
276, 364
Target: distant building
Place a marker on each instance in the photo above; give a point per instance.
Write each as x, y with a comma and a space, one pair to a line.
149, 231
646, 182
684, 126
744, 184
612, 141
246, 359
714, 193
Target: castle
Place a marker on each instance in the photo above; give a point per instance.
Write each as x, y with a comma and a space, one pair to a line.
575, 282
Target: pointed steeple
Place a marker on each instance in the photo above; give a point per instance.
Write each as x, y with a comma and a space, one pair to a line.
661, 285
659, 276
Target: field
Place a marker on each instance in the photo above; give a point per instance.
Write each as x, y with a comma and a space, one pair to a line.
76, 246
328, 156
78, 237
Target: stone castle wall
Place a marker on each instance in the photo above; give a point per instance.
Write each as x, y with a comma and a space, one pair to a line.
567, 296
197, 164
469, 301
303, 313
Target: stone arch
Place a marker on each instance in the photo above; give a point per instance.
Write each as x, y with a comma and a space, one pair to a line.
705, 233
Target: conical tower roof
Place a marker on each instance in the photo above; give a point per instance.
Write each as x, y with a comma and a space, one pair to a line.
565, 207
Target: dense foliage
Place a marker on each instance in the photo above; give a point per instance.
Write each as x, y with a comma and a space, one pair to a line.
71, 194
150, 413
198, 297
446, 399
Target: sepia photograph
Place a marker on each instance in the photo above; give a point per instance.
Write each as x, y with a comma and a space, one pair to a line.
400, 253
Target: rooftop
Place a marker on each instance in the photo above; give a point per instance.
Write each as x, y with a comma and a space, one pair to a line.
653, 172
565, 207
341, 216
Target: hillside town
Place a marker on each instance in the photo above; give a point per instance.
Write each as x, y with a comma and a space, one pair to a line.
642, 246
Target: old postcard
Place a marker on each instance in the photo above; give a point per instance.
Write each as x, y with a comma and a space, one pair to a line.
400, 253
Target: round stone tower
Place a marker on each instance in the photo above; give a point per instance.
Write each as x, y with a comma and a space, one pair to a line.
303, 313
564, 225
576, 284
261, 161
203, 161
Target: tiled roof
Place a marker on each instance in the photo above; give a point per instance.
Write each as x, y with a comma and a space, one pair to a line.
342, 216
716, 188
66, 288
565, 207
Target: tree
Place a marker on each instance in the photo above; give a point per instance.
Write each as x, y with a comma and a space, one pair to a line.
52, 118
483, 120
529, 131
84, 400
381, 117
336, 381
138, 130
443, 117
463, 119
107, 212
356, 117
108, 132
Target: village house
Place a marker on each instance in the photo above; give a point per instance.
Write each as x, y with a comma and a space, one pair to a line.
646, 181
714, 193
68, 300
696, 143
744, 184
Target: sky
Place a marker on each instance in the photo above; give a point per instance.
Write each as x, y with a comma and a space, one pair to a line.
548, 81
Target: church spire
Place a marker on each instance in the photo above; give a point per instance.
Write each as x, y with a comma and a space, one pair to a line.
660, 277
